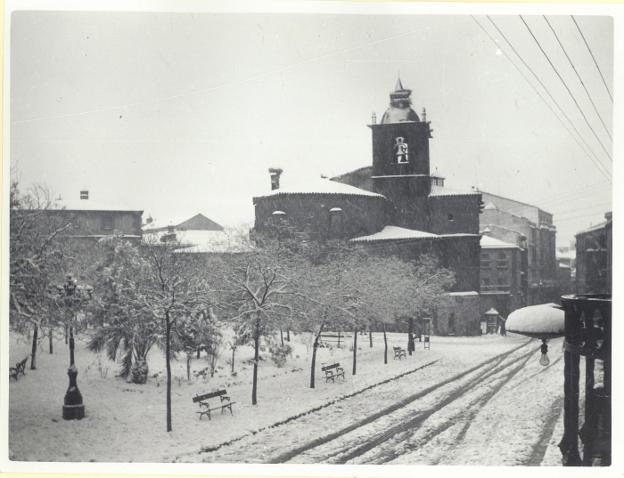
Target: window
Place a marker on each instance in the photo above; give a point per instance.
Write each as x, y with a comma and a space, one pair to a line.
485, 260
107, 222
501, 260
450, 217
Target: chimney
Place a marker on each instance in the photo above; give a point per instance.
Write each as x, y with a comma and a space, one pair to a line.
373, 118
275, 174
84, 194
424, 115
149, 219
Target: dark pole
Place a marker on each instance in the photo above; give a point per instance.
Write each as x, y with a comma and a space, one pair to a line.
73, 408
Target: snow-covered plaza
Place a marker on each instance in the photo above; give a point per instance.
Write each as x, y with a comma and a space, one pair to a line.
468, 400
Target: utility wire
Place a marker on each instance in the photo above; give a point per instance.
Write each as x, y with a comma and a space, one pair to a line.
593, 156
579, 77
539, 45
578, 27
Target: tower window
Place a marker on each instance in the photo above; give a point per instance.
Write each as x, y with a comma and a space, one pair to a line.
450, 217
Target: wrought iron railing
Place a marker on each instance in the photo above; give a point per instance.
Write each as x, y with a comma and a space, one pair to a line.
587, 334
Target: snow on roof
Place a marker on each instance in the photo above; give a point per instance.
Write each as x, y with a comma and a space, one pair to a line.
464, 293
390, 233
320, 186
490, 205
543, 320
201, 222
444, 191
488, 242
492, 311
459, 234
198, 241
593, 228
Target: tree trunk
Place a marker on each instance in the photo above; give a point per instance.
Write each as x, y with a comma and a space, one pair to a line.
282, 337
370, 337
168, 363
33, 355
50, 340
385, 345
254, 386
338, 339
198, 351
355, 332
66, 332
410, 336
288, 335
314, 349
213, 363
188, 367
233, 354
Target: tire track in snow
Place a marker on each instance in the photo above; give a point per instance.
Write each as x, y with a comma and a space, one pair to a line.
466, 414
313, 410
539, 449
289, 455
411, 426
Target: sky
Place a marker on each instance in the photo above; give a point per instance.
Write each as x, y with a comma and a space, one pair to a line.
180, 113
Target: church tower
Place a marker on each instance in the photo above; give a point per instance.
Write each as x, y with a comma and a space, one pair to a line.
401, 159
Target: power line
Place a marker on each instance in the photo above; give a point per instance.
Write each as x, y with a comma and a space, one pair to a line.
604, 171
539, 45
578, 27
579, 77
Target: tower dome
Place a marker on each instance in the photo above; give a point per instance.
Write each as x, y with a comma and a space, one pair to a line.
400, 109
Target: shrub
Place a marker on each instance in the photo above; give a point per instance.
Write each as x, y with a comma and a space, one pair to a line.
279, 354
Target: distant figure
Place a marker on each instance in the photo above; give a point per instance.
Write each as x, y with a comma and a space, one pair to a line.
502, 321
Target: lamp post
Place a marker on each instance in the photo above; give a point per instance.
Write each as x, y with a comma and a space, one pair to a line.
73, 408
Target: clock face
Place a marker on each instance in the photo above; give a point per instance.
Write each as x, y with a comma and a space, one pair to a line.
401, 150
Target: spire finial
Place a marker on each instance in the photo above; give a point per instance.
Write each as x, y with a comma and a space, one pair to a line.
399, 85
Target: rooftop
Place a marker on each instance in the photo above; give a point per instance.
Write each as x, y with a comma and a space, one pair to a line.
319, 186
394, 233
488, 242
444, 191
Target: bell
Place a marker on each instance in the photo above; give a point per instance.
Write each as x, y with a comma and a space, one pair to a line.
544, 360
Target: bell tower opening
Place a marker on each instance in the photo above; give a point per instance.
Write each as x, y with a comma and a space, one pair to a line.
401, 147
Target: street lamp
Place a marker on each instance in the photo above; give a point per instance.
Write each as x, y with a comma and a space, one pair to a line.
73, 295
543, 321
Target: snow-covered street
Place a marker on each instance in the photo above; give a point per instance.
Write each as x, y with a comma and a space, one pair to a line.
469, 400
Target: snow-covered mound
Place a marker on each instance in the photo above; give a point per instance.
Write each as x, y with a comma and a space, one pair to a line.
543, 320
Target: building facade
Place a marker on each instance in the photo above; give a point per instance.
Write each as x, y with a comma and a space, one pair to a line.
502, 264
594, 249
393, 206
532, 229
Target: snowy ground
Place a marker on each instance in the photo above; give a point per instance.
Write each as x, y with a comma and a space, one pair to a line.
478, 400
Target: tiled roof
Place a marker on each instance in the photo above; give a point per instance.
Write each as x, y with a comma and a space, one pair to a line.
393, 233
320, 186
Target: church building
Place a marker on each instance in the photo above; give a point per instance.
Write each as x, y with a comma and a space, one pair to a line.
394, 206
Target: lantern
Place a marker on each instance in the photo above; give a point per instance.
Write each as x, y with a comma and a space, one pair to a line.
544, 321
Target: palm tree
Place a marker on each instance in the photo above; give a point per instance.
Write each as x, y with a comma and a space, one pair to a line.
134, 337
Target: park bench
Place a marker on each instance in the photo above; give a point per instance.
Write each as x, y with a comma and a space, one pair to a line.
332, 372
20, 367
206, 407
399, 353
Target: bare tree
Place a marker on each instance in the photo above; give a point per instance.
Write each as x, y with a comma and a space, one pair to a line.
36, 260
